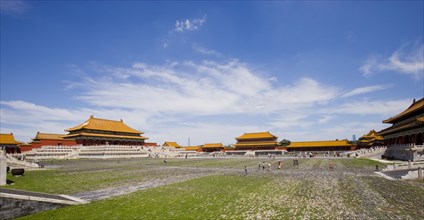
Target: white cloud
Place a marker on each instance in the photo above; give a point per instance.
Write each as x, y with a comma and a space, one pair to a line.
197, 48
405, 60
14, 7
347, 130
207, 88
292, 120
366, 107
364, 90
189, 24
169, 95
207, 101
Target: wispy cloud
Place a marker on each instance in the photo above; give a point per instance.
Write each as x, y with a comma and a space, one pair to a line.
13, 7
368, 107
405, 60
189, 24
208, 101
197, 48
364, 90
206, 88
170, 95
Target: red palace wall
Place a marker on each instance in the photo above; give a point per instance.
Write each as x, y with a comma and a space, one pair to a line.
25, 147
41, 143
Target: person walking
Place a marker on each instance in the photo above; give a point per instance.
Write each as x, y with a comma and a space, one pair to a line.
245, 170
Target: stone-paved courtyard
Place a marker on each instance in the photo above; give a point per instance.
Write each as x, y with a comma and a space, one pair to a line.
217, 188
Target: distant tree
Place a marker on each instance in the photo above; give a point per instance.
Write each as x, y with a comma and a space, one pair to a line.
284, 143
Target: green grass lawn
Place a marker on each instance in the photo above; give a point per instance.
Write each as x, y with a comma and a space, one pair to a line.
309, 191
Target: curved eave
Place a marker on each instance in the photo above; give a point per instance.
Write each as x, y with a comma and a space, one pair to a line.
417, 106
391, 130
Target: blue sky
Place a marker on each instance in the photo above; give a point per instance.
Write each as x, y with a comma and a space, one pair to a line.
210, 71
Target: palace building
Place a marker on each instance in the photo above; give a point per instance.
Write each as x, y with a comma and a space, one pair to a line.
371, 139
8, 142
337, 145
97, 131
405, 137
46, 139
256, 141
211, 147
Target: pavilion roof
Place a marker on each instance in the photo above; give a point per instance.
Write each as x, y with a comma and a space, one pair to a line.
8, 139
336, 143
256, 135
105, 125
48, 136
171, 144
372, 135
213, 145
416, 106
192, 148
263, 143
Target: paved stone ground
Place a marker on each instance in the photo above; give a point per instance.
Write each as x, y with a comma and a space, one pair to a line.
308, 169
125, 189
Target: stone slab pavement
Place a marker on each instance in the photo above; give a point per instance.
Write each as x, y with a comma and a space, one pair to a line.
122, 190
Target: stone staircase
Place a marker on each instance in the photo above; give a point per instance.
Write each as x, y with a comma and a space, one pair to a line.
12, 162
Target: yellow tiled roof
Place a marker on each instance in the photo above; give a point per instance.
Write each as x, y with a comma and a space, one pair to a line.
415, 106
420, 119
212, 145
171, 144
256, 135
105, 135
104, 125
49, 136
192, 148
393, 129
372, 135
268, 143
337, 143
8, 139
